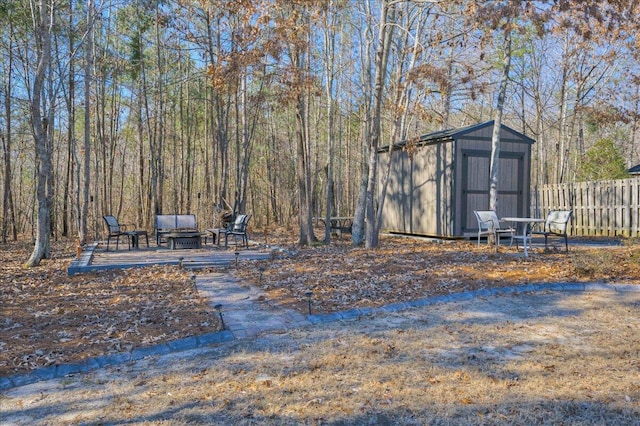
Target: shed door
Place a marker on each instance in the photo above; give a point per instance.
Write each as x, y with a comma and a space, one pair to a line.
475, 185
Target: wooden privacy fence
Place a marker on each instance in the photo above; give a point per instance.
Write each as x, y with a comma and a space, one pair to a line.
606, 208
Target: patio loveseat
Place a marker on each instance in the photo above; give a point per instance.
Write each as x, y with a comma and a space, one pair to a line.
169, 223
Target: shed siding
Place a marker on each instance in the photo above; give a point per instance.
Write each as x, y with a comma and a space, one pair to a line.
435, 191
418, 197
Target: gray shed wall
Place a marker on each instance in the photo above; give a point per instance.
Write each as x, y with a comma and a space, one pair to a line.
419, 195
436, 191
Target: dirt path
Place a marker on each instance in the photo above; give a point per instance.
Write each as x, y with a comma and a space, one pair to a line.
546, 357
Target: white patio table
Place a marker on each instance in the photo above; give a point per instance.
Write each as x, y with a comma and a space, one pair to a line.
524, 223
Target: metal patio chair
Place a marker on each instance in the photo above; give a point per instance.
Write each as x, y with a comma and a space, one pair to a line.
556, 225
489, 225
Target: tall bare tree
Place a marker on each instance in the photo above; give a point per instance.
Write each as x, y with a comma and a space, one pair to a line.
329, 28
502, 18
497, 119
404, 76
8, 212
67, 200
300, 57
366, 43
86, 160
43, 13
385, 34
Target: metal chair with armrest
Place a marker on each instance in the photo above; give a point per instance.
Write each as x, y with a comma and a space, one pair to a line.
117, 230
239, 229
491, 226
556, 225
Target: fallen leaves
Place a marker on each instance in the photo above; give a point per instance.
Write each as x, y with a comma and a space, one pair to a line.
51, 318
402, 269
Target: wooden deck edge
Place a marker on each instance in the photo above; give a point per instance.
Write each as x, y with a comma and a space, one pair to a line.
83, 264
84, 260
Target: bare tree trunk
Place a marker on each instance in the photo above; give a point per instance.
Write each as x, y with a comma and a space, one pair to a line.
564, 106
187, 129
160, 117
308, 210
8, 214
219, 117
71, 144
248, 130
329, 46
273, 177
42, 12
152, 135
633, 144
358, 228
155, 124
51, 181
243, 154
86, 161
6, 190
143, 205
541, 169
497, 123
381, 58
301, 64
302, 171
402, 100
306, 231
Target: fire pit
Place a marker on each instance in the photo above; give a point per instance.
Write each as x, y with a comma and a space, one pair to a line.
184, 240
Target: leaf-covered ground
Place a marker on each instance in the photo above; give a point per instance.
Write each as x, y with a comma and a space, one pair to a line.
51, 318
342, 277
545, 358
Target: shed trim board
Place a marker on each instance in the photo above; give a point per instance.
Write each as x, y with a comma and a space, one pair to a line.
449, 135
434, 191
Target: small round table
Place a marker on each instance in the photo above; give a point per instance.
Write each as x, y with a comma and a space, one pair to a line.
525, 221
134, 237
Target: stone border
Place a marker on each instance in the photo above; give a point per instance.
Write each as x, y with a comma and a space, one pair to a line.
458, 297
61, 370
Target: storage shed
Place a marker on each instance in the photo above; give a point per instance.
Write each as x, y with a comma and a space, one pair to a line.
434, 190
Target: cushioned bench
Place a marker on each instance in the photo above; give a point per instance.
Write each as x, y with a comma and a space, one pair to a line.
168, 223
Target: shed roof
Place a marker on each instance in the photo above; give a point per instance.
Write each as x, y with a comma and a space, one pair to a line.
452, 134
635, 170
